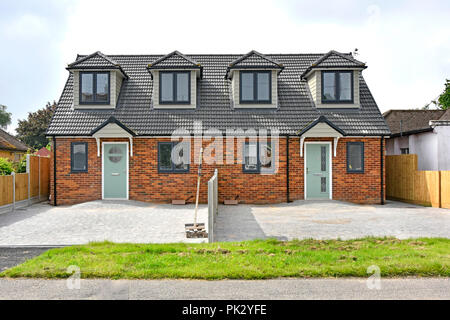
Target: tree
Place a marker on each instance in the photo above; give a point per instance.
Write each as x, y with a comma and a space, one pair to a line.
32, 130
5, 117
443, 101
444, 98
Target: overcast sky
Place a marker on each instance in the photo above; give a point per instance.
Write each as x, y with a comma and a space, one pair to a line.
406, 44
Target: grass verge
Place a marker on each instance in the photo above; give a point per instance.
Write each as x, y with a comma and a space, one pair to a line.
259, 259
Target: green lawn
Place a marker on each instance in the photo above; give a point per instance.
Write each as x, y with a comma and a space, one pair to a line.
244, 260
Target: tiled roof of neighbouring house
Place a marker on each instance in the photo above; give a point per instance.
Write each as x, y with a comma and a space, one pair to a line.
214, 106
410, 121
8, 142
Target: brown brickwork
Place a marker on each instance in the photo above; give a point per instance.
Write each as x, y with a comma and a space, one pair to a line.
146, 184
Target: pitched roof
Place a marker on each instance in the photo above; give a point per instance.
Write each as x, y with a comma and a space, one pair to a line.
446, 115
214, 105
43, 152
113, 119
95, 60
8, 142
411, 121
321, 119
174, 59
334, 59
254, 59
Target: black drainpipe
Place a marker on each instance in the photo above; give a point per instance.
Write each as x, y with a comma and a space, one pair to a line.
287, 169
382, 169
54, 170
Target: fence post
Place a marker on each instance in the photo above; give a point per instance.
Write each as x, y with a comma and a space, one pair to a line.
210, 211
13, 174
216, 192
29, 177
39, 178
440, 189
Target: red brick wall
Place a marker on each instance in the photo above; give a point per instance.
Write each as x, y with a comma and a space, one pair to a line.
146, 184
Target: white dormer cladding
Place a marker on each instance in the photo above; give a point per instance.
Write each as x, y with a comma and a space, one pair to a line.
235, 94
314, 79
194, 76
116, 79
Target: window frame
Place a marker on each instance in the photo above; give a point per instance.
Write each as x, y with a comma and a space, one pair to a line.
360, 143
94, 88
258, 158
337, 87
174, 87
255, 87
172, 170
404, 149
72, 144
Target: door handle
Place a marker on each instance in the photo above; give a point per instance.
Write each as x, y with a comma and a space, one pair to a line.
115, 174
307, 171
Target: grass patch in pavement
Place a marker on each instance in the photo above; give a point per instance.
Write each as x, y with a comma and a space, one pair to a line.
258, 259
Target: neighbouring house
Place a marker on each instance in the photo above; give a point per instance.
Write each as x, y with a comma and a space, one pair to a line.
10, 147
43, 152
112, 128
422, 132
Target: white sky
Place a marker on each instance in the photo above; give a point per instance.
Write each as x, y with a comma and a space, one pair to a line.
406, 44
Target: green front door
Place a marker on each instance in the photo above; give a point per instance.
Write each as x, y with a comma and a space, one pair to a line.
115, 173
317, 171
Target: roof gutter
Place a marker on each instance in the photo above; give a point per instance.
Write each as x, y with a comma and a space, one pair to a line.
407, 133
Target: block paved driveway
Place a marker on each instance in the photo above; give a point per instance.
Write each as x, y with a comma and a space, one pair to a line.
117, 221
132, 221
330, 220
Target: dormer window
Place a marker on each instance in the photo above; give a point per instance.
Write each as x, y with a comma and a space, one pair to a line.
337, 87
175, 87
255, 87
94, 87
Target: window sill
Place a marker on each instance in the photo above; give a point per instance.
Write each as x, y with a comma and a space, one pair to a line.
170, 172
174, 106
337, 106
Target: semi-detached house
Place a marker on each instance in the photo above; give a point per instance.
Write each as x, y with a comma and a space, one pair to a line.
112, 129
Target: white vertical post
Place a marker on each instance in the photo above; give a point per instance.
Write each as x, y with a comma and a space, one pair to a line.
29, 177
13, 174
216, 191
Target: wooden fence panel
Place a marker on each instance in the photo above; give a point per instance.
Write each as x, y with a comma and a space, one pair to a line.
33, 184
6, 190
404, 182
45, 176
445, 189
21, 186
399, 180
34, 176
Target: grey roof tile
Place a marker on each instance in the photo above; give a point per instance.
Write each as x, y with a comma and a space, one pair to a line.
214, 107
